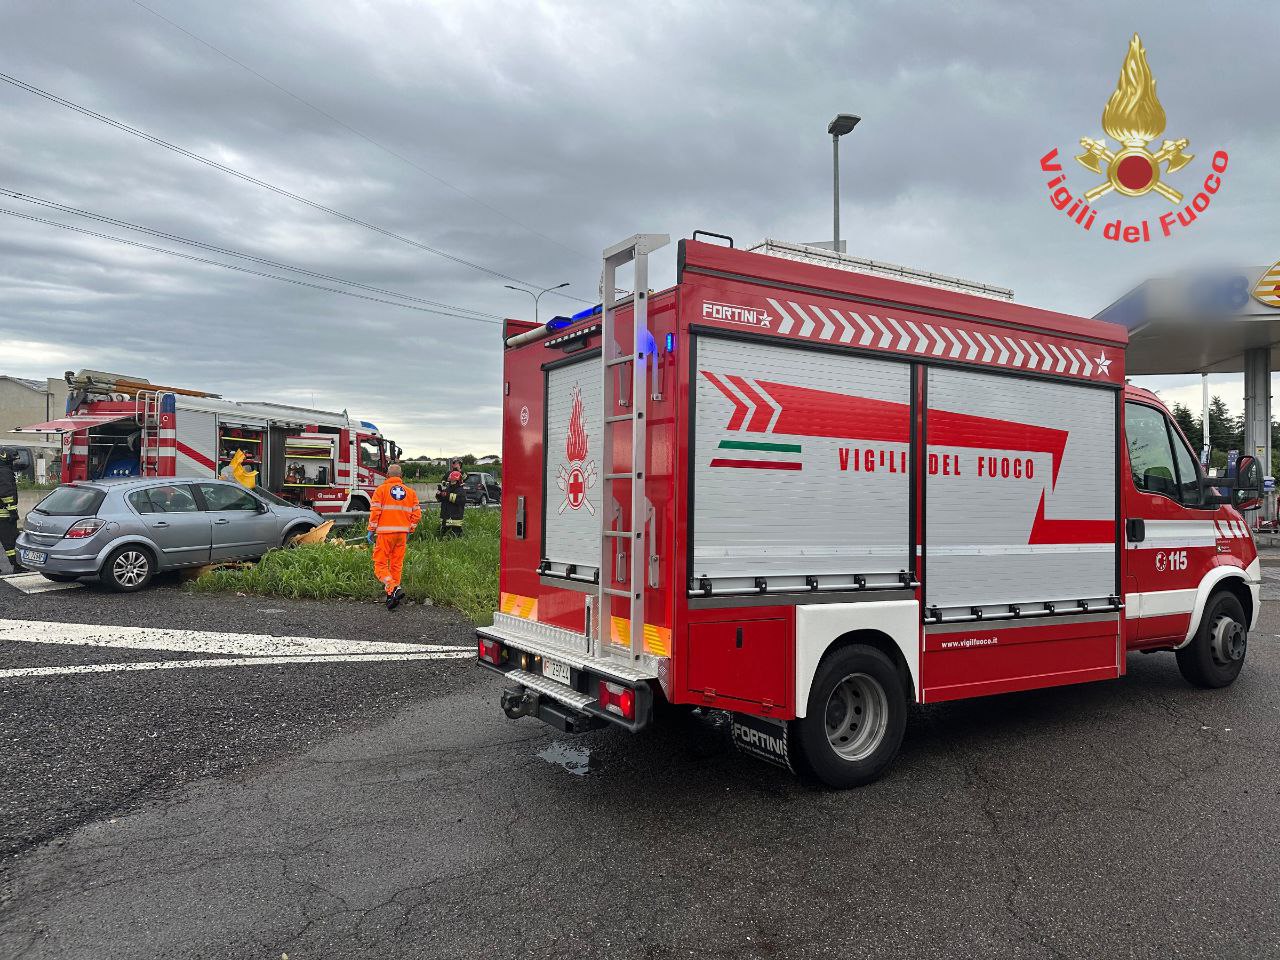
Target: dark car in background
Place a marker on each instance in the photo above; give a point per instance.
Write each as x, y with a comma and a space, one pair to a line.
481, 489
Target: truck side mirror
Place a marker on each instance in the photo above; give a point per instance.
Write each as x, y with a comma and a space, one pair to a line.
1247, 494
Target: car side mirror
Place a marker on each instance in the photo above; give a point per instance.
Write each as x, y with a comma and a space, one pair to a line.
263, 508
1247, 494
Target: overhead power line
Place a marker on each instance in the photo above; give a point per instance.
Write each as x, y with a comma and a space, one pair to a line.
232, 266
359, 133
191, 155
228, 251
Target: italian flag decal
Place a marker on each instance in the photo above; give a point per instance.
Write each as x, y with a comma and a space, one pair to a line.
750, 455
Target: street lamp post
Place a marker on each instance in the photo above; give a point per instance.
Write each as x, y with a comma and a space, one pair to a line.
842, 124
537, 296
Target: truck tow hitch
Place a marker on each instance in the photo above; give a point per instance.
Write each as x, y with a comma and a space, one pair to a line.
518, 702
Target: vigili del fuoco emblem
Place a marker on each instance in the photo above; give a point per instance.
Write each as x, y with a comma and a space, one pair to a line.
1134, 117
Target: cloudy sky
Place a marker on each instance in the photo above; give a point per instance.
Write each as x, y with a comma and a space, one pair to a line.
531, 135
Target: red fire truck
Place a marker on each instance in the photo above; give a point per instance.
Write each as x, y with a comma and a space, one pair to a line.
809, 497
128, 426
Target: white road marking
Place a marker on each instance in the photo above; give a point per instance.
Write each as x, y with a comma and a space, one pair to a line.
242, 649
36, 583
202, 641
228, 662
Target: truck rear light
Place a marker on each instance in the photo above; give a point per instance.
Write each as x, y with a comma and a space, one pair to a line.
618, 699
83, 529
490, 650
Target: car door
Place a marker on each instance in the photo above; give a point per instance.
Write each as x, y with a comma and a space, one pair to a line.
172, 519
242, 524
1170, 533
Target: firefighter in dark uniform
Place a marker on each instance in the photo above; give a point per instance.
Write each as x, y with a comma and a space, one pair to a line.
453, 502
9, 508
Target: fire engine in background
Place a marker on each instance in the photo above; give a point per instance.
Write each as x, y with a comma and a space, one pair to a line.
126, 426
809, 497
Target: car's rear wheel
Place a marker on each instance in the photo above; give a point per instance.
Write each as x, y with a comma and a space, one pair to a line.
61, 577
128, 569
855, 720
1215, 655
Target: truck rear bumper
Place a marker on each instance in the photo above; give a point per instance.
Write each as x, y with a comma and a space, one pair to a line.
527, 649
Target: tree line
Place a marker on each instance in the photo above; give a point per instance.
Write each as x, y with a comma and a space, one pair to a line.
1226, 432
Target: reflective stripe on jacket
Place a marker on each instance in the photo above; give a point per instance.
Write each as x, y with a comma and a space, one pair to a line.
395, 507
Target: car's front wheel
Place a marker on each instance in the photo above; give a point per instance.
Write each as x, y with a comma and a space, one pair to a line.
856, 717
484, 499
128, 568
291, 538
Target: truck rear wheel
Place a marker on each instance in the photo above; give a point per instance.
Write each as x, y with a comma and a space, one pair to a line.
1215, 655
856, 717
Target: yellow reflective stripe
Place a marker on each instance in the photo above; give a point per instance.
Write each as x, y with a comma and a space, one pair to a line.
657, 640
393, 529
518, 606
397, 506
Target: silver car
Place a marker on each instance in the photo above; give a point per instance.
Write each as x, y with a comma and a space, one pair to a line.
126, 530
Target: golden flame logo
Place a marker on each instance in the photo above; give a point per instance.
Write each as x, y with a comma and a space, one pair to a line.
1134, 116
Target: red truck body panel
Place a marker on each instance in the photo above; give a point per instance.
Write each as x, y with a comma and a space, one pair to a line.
951, 368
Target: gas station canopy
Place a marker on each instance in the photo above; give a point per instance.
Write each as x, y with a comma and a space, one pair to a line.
1223, 321
1200, 323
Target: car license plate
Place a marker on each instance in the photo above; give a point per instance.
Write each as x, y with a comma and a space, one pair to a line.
33, 557
555, 670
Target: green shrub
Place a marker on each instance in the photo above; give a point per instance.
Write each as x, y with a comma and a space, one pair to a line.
460, 572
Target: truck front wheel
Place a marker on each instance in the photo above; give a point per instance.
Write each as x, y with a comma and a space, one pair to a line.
1216, 653
856, 717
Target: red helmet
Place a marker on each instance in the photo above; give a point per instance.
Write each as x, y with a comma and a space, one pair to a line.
455, 477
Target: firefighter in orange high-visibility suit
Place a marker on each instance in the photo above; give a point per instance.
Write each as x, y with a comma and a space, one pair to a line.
393, 515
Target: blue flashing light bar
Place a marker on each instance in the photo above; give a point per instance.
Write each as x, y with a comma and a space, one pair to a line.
589, 312
671, 342
559, 323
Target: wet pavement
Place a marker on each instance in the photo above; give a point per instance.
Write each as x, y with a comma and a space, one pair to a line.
390, 810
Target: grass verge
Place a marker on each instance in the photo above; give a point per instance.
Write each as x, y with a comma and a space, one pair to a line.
459, 572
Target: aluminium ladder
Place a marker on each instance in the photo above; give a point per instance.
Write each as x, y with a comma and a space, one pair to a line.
149, 442
618, 546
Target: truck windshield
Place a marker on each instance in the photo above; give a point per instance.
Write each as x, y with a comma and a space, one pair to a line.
71, 501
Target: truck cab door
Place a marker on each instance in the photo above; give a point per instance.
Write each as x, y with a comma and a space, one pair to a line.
1170, 537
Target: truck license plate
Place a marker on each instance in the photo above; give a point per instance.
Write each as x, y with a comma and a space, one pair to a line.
33, 557
555, 670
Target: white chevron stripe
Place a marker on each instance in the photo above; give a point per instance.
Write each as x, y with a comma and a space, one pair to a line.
787, 321
903, 336
1075, 362
884, 340
1061, 360
1088, 364
806, 327
987, 351
847, 335
864, 328
1003, 356
921, 342
938, 345
1046, 362
1033, 361
973, 347
955, 344
1017, 354
777, 407
750, 404
828, 328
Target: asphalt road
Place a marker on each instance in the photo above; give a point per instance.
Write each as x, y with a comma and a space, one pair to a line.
389, 810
